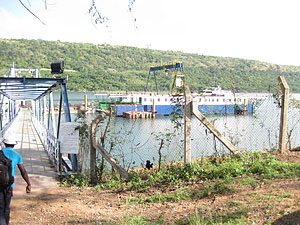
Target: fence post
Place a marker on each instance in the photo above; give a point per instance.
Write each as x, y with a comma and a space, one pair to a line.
93, 178
284, 114
187, 125
95, 146
213, 130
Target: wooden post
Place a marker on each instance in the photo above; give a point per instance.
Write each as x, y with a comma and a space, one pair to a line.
153, 107
187, 125
244, 110
85, 102
112, 161
284, 114
93, 180
103, 152
214, 130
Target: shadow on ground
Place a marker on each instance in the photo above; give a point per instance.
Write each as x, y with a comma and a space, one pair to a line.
290, 219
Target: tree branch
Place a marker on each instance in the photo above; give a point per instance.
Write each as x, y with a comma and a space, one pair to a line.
31, 12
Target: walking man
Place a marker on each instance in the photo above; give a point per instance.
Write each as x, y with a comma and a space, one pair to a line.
7, 193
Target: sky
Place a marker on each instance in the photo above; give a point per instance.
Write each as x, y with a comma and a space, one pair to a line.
263, 30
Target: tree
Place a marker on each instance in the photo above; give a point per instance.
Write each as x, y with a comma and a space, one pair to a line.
96, 15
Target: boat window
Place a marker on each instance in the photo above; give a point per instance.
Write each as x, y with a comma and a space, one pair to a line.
205, 100
209, 99
131, 99
150, 99
158, 99
230, 99
217, 99
212, 100
223, 99
145, 99
199, 99
166, 99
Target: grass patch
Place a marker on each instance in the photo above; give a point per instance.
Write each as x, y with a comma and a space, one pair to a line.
74, 180
251, 181
284, 195
257, 166
210, 190
177, 196
136, 220
232, 204
231, 218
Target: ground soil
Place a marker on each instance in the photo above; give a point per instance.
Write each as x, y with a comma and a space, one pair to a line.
275, 201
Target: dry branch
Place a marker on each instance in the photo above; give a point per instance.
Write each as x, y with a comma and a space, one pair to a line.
103, 152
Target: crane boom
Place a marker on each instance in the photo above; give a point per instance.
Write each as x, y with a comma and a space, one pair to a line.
177, 72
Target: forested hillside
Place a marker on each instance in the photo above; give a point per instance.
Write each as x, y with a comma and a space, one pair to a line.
104, 67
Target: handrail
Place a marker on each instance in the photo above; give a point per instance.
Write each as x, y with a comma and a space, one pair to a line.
49, 141
8, 124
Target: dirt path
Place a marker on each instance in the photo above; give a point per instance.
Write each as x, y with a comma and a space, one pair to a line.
277, 201
259, 203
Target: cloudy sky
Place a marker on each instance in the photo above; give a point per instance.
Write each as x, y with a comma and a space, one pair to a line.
264, 30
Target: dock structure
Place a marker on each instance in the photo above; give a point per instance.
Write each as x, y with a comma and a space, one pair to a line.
138, 115
27, 114
35, 159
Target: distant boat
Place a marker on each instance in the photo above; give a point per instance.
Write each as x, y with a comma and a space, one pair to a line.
107, 112
213, 100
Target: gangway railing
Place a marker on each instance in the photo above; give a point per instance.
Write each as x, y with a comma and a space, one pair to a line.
50, 142
36, 93
7, 125
8, 112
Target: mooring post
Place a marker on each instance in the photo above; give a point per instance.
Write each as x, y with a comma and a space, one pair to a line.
153, 107
187, 125
284, 114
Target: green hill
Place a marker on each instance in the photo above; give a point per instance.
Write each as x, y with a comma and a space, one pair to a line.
111, 68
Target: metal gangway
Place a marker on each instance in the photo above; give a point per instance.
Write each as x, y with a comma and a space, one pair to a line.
25, 89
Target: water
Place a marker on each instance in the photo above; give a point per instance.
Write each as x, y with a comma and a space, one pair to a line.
133, 142
75, 98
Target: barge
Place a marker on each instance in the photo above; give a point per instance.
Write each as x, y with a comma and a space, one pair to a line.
213, 100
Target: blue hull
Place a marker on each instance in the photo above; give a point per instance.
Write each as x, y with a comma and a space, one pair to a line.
225, 109
169, 109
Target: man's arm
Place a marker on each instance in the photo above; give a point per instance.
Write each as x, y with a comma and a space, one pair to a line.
25, 177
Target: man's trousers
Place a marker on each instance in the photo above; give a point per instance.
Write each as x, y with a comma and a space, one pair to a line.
5, 198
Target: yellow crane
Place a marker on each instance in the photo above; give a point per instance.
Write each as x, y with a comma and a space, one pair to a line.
177, 75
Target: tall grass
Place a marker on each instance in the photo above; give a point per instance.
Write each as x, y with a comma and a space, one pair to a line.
259, 165
255, 165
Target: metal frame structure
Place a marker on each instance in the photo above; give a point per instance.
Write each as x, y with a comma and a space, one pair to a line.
16, 88
177, 67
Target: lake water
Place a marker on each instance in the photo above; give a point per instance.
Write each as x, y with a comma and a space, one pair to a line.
75, 98
133, 142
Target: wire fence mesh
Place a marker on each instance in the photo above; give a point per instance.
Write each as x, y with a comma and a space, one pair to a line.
134, 141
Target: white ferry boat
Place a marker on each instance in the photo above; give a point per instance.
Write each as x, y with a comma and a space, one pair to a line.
214, 100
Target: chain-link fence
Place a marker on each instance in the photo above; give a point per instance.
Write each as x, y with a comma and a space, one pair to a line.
134, 141
258, 131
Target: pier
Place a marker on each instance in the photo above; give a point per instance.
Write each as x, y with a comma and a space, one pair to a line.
138, 115
36, 161
27, 114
